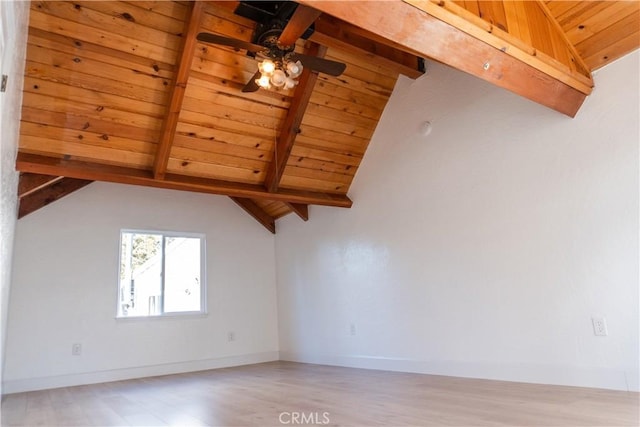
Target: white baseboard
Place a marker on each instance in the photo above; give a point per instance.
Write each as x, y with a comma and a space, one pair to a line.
30, 384
539, 374
527, 373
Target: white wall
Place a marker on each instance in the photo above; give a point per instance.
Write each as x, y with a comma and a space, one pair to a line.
65, 281
13, 34
482, 250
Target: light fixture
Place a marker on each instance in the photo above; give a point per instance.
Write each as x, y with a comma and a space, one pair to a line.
278, 78
290, 83
279, 74
294, 69
263, 81
425, 128
266, 67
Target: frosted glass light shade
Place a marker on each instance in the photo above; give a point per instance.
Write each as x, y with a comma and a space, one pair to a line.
266, 67
278, 78
290, 83
294, 69
263, 81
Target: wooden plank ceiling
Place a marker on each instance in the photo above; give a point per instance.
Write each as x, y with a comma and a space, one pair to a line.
601, 31
123, 92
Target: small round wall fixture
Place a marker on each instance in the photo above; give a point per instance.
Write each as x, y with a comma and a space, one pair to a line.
425, 128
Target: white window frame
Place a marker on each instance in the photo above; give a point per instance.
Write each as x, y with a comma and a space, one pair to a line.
203, 272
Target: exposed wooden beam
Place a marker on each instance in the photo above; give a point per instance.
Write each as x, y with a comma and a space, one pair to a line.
301, 210
302, 18
179, 85
422, 33
465, 21
257, 212
291, 126
34, 163
334, 33
31, 182
35, 200
552, 21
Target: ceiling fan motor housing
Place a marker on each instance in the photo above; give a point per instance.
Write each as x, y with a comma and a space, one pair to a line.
269, 39
271, 18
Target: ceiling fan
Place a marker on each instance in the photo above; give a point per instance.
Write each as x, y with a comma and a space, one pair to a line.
275, 42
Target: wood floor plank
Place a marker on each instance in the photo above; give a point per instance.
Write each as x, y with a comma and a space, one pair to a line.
269, 393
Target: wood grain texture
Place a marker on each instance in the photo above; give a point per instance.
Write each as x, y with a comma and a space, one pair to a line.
302, 18
301, 210
45, 195
340, 35
286, 139
41, 17
178, 86
433, 38
110, 85
62, 142
101, 98
273, 208
249, 206
601, 43
99, 172
259, 395
517, 41
601, 31
30, 182
532, 25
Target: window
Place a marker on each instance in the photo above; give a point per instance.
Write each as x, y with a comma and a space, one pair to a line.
161, 273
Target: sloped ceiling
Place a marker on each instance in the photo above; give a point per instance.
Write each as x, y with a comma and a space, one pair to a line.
123, 92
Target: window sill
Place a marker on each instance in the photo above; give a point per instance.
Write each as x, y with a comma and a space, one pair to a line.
168, 316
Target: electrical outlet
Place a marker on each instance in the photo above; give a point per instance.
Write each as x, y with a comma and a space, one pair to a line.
231, 336
352, 329
599, 326
76, 349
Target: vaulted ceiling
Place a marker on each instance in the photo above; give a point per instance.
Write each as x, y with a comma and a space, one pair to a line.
124, 92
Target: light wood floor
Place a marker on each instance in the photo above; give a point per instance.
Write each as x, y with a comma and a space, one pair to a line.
271, 394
